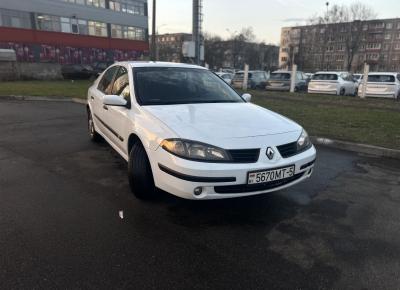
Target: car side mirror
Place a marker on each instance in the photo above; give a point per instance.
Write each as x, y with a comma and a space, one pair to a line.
113, 100
247, 98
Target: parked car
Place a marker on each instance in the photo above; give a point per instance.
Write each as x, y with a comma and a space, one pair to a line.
358, 78
256, 80
383, 85
281, 81
77, 71
227, 77
100, 66
185, 131
334, 83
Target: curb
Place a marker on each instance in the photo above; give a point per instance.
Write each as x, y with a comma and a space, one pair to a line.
342, 145
356, 147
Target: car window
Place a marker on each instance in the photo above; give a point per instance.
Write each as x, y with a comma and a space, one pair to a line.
299, 76
280, 76
381, 79
325, 77
398, 77
121, 82
106, 83
168, 86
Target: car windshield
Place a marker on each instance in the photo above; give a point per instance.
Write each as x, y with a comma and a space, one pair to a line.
357, 77
171, 86
381, 79
325, 77
280, 76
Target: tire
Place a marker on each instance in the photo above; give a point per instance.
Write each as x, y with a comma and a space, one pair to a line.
342, 92
93, 135
140, 175
356, 92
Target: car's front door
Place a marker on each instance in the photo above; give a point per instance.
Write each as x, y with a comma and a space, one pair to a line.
117, 117
96, 99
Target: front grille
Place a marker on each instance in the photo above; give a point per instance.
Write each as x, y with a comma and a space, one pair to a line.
244, 188
245, 155
288, 150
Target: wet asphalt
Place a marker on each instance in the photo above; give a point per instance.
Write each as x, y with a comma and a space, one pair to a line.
61, 195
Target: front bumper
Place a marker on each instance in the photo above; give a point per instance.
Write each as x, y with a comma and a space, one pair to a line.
218, 181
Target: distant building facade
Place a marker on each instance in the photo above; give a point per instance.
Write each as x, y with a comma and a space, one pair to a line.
342, 46
74, 31
235, 54
169, 47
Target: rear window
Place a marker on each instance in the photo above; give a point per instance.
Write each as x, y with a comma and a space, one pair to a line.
381, 79
240, 76
280, 76
325, 77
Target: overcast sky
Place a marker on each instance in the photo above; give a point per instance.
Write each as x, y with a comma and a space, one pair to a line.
224, 17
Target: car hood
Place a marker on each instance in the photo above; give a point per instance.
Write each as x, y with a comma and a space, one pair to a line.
205, 122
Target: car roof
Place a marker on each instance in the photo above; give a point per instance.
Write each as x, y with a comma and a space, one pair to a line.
134, 64
283, 72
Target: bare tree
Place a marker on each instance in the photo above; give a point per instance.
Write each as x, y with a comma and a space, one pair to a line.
348, 22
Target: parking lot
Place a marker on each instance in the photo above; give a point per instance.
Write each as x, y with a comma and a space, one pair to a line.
60, 198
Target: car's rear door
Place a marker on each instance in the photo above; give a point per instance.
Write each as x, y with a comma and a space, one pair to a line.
104, 87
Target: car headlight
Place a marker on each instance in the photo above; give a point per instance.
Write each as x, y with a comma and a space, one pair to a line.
193, 150
304, 142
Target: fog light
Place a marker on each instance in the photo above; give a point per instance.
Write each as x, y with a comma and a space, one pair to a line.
198, 191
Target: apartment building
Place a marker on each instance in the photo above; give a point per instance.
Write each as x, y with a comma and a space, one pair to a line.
74, 31
342, 46
170, 45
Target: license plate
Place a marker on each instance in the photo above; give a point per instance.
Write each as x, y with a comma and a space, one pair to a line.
270, 175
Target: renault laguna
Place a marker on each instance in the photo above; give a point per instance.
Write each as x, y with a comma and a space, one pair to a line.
183, 130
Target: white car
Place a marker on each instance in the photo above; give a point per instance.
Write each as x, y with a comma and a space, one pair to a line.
383, 85
227, 77
185, 131
333, 83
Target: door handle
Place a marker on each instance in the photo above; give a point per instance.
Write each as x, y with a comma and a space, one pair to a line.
92, 98
105, 107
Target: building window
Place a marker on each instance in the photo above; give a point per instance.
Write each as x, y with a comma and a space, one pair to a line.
48, 22
95, 3
128, 6
373, 46
397, 46
389, 25
97, 28
127, 32
15, 19
388, 36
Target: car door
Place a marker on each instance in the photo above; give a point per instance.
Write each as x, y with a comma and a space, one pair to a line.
117, 117
104, 87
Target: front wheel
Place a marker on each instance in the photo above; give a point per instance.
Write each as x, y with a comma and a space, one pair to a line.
140, 175
342, 92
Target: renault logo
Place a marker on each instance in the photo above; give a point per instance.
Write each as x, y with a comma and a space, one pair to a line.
270, 153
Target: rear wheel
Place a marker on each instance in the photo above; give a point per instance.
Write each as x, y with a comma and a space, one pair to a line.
93, 135
140, 175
